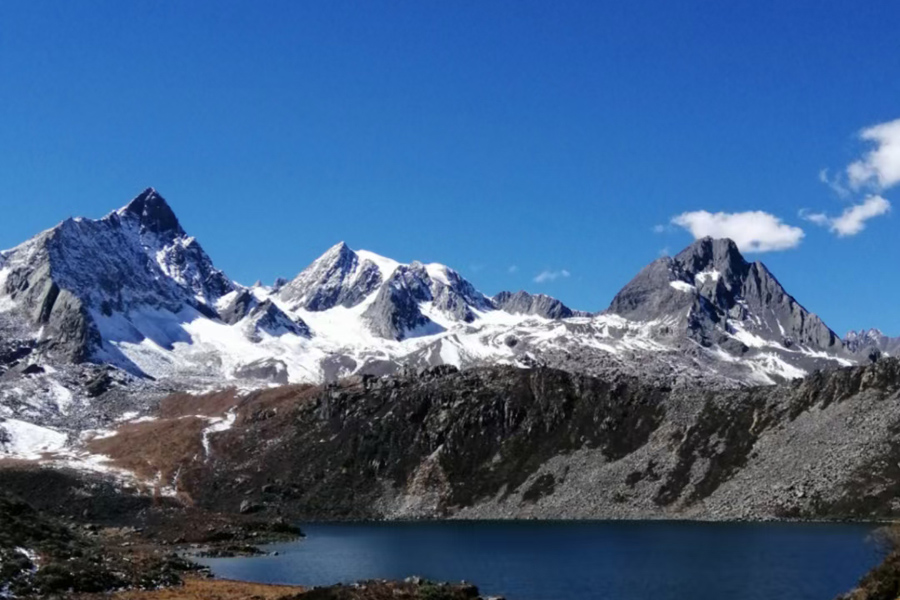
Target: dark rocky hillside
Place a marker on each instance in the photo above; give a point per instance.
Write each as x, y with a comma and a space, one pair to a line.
504, 442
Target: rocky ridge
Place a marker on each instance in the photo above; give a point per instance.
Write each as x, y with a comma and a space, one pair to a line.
504, 442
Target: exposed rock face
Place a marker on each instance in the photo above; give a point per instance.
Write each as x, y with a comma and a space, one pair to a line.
260, 317
523, 303
267, 317
135, 291
178, 255
239, 307
710, 295
709, 283
343, 277
395, 313
337, 278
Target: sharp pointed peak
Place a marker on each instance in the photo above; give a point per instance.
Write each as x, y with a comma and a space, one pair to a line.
153, 212
339, 255
149, 195
339, 249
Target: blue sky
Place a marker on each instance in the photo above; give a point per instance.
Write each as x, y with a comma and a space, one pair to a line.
505, 139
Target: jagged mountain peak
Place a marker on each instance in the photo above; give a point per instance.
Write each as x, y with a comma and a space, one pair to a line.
337, 278
707, 262
346, 277
86, 281
864, 333
718, 297
872, 343
152, 213
394, 293
712, 248
710, 269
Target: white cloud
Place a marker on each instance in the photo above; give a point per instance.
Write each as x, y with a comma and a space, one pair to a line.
880, 167
816, 218
752, 231
835, 183
513, 268
853, 219
659, 229
545, 276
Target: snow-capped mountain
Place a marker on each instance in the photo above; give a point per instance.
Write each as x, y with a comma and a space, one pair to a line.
340, 277
711, 295
397, 296
86, 284
134, 290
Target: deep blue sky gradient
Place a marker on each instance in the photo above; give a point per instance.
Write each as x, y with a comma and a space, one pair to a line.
545, 135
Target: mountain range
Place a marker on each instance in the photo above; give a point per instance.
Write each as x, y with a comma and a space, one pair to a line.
135, 291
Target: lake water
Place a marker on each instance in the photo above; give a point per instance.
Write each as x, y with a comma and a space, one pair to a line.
579, 561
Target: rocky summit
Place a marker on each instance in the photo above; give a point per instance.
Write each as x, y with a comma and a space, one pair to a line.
716, 298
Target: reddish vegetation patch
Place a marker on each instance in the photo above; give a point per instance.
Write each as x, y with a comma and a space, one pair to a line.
16, 462
268, 405
214, 404
217, 589
208, 589
154, 449
157, 450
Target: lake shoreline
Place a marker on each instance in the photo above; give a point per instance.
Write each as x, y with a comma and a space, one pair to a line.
538, 560
576, 520
157, 527
200, 588
171, 547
